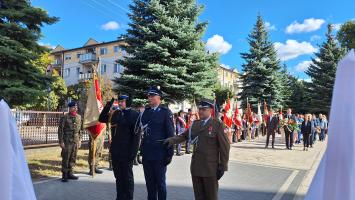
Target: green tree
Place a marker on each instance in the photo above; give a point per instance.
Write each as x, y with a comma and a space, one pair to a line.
322, 72
56, 88
298, 99
165, 48
346, 35
21, 82
261, 79
222, 94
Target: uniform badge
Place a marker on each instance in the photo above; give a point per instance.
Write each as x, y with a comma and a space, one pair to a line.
210, 130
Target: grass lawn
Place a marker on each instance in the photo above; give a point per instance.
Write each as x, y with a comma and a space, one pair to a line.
46, 162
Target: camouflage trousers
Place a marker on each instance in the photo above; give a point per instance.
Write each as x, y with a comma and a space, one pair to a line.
99, 144
69, 157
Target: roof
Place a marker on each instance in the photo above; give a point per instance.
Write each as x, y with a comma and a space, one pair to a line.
90, 43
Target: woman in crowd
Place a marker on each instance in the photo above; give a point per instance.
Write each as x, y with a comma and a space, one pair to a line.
306, 129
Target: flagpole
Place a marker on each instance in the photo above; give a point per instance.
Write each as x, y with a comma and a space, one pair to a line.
93, 160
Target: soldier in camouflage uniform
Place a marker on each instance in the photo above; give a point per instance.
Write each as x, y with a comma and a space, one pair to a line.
69, 136
98, 152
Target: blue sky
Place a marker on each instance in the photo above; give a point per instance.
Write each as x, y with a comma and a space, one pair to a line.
296, 27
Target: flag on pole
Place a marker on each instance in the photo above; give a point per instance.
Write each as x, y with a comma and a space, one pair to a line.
237, 120
249, 114
215, 109
260, 117
266, 111
93, 109
227, 116
335, 177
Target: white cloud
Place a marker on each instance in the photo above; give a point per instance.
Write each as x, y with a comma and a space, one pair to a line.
270, 27
111, 25
337, 26
218, 44
303, 66
226, 66
315, 38
308, 25
292, 49
46, 45
309, 80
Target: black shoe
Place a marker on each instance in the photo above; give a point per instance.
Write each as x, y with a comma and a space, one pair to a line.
273, 147
64, 177
72, 176
188, 152
97, 171
266, 147
179, 154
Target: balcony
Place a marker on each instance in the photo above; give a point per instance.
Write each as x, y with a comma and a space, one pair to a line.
85, 76
57, 62
87, 58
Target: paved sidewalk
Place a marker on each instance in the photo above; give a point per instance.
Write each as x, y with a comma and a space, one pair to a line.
254, 173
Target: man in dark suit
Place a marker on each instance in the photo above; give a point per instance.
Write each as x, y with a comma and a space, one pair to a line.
271, 127
291, 119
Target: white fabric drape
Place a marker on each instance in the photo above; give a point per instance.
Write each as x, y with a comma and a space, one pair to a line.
335, 178
15, 179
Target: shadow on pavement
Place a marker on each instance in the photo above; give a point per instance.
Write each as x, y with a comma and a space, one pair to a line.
90, 190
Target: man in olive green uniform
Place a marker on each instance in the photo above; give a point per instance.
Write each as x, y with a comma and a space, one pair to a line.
210, 155
99, 146
69, 136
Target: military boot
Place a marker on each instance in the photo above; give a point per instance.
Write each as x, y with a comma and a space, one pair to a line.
72, 176
64, 177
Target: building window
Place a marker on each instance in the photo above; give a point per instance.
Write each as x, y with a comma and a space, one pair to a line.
78, 71
116, 49
103, 69
68, 56
116, 68
103, 51
67, 72
124, 53
78, 55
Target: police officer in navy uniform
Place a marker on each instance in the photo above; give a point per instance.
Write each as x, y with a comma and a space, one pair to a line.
124, 145
157, 125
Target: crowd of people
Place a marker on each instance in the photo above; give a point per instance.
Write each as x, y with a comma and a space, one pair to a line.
294, 128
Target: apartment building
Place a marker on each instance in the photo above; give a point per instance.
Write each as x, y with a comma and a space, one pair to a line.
229, 78
77, 64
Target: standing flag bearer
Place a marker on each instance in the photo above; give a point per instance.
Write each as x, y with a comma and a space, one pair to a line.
93, 109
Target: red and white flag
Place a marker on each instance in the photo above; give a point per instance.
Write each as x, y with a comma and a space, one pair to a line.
237, 120
93, 109
227, 117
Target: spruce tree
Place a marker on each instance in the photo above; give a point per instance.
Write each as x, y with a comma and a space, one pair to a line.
261, 78
21, 82
165, 48
322, 72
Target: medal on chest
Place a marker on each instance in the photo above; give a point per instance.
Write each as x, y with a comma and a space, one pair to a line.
210, 130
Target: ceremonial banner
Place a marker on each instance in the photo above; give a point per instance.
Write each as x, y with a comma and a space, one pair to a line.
93, 109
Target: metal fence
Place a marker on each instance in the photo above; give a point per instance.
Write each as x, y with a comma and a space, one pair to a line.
39, 127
